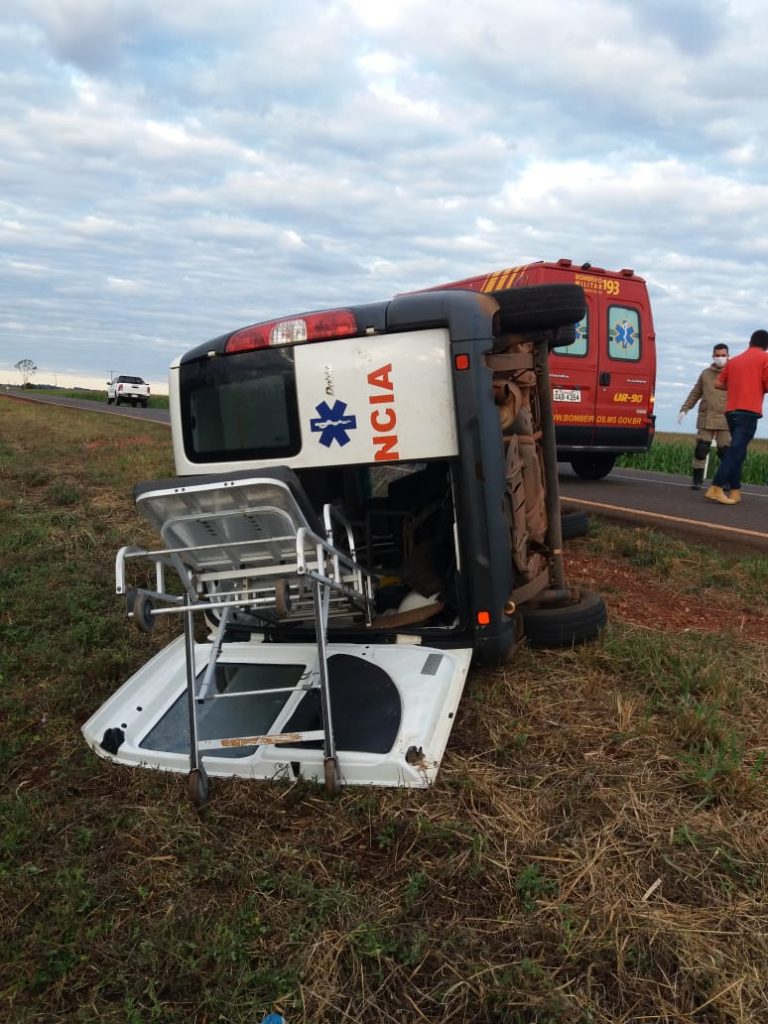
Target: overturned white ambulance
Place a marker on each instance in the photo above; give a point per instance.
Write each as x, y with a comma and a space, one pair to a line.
366, 500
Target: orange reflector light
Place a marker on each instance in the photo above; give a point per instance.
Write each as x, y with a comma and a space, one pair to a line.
483, 618
461, 362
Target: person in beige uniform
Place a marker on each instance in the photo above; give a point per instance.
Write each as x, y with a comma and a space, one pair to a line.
710, 423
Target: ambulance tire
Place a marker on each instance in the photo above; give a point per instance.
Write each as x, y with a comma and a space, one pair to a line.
565, 625
593, 467
562, 337
540, 307
574, 522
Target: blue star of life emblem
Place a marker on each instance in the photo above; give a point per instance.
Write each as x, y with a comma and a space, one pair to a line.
331, 423
625, 334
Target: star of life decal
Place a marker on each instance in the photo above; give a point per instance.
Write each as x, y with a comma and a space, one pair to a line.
625, 334
332, 423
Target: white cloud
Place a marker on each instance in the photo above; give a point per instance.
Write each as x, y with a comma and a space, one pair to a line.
123, 286
22, 267
171, 170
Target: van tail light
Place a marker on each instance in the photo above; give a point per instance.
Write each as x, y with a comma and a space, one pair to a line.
148, 389
331, 323
119, 387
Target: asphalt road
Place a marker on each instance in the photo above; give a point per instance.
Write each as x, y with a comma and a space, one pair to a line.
626, 495
668, 503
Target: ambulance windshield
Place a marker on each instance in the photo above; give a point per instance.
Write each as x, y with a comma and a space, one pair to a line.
240, 407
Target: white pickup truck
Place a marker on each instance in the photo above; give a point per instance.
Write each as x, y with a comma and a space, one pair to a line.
128, 389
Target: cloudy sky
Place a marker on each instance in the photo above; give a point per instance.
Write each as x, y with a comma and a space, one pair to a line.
172, 170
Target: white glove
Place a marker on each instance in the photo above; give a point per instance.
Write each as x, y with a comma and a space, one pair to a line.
680, 417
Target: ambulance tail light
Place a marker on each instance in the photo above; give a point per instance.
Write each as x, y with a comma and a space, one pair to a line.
331, 323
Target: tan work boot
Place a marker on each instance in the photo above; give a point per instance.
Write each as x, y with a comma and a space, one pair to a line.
718, 494
735, 496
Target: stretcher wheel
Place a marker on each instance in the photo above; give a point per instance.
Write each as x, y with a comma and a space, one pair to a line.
331, 773
198, 787
141, 609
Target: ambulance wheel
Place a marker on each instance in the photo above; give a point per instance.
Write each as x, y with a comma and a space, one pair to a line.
198, 787
574, 522
562, 337
563, 625
593, 467
540, 307
331, 775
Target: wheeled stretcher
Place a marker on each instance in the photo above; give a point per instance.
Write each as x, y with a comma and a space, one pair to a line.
249, 552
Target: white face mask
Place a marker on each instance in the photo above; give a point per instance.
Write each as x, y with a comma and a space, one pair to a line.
720, 361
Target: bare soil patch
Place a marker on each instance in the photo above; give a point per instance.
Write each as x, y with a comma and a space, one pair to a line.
634, 595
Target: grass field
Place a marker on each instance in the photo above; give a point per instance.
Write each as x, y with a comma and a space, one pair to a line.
673, 453
594, 851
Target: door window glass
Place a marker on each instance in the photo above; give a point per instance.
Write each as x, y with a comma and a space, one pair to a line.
623, 333
252, 714
579, 345
240, 406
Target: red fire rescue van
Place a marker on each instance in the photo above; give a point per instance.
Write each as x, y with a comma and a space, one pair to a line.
603, 381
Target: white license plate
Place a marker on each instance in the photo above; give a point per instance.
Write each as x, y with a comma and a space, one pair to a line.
566, 394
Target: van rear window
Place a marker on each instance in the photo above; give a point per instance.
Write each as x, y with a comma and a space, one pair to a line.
241, 406
580, 344
623, 333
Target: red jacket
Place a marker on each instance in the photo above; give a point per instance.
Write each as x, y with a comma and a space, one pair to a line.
745, 377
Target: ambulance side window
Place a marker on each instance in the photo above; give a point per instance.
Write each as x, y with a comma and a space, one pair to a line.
579, 345
623, 333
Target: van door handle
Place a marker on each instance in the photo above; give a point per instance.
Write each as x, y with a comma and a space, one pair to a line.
605, 379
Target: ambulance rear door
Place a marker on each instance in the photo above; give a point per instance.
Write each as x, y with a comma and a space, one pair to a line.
624, 397
573, 373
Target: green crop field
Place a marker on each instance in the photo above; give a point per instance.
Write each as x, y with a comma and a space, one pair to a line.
673, 453
594, 851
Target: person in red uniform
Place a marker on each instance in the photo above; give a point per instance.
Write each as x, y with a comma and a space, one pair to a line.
745, 378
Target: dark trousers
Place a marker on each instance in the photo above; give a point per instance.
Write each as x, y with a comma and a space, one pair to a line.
742, 426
